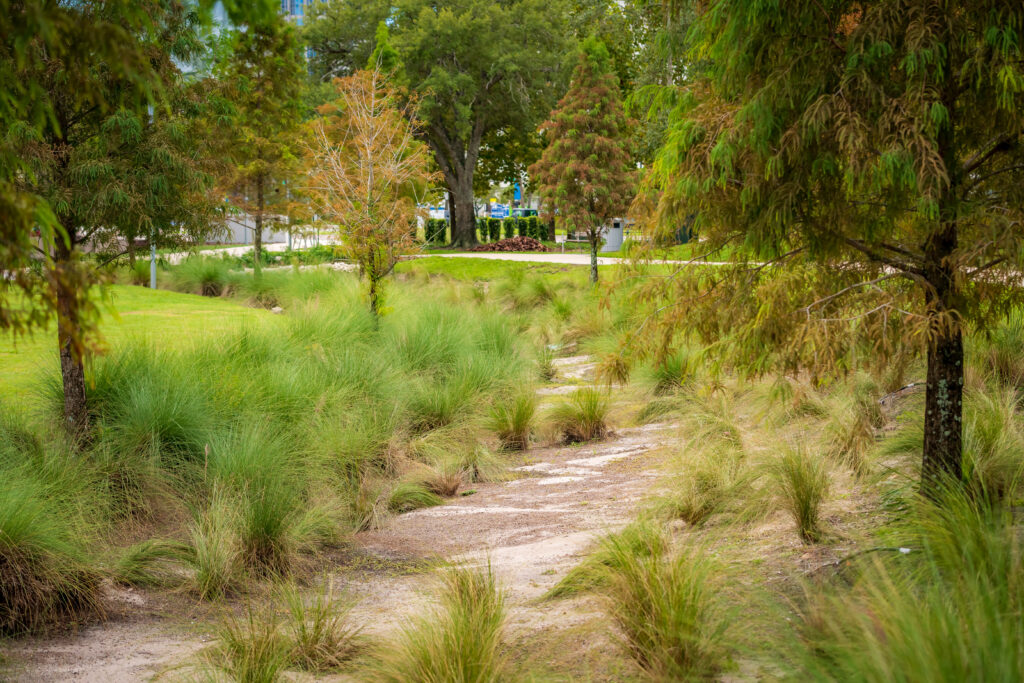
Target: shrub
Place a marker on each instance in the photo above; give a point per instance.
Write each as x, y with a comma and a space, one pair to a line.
436, 230
803, 485
509, 227
320, 635
581, 417
512, 420
533, 228
481, 227
459, 642
493, 229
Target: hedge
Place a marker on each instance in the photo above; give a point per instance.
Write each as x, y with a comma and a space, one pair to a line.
509, 225
436, 230
494, 229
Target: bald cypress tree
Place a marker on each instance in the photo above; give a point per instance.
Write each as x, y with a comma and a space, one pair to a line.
865, 163
585, 171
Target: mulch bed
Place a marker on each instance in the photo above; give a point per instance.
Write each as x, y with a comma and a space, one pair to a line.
512, 244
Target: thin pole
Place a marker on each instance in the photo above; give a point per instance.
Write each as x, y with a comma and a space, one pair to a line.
152, 234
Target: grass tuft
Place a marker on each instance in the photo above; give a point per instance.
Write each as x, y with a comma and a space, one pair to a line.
512, 420
803, 485
322, 639
460, 642
582, 416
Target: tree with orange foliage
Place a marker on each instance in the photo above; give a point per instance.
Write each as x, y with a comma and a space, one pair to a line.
366, 171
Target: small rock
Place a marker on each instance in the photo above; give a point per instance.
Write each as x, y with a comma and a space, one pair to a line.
277, 309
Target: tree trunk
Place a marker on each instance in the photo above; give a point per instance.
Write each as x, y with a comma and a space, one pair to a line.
374, 296
464, 228
72, 370
595, 239
941, 463
451, 217
257, 241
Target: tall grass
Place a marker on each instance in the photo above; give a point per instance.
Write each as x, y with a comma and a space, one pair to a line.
322, 637
947, 611
512, 420
459, 642
581, 417
205, 275
45, 572
803, 484
251, 649
668, 606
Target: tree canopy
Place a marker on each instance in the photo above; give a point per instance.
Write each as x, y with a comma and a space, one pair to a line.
870, 155
586, 171
478, 67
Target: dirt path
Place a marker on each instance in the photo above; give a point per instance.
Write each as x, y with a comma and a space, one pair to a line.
530, 529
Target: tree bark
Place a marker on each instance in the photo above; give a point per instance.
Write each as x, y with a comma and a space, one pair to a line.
451, 216
257, 240
595, 239
72, 369
464, 228
941, 461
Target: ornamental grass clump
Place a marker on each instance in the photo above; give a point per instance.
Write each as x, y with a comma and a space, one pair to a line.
582, 416
459, 641
512, 420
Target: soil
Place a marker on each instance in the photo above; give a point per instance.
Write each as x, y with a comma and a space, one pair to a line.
531, 530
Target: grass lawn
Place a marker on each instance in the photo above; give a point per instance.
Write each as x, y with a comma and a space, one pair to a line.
486, 269
131, 315
679, 252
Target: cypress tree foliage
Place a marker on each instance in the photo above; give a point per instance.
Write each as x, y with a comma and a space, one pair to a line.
866, 160
259, 85
97, 165
585, 171
366, 173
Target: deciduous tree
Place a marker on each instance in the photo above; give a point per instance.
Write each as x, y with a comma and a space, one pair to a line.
586, 171
866, 162
478, 67
260, 87
366, 172
94, 168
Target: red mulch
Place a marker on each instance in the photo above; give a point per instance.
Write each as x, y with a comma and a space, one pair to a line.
512, 244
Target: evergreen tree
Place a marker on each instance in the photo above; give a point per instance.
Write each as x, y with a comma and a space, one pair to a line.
260, 87
585, 172
867, 159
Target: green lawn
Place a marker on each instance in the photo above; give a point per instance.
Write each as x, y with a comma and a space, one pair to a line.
132, 315
485, 269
